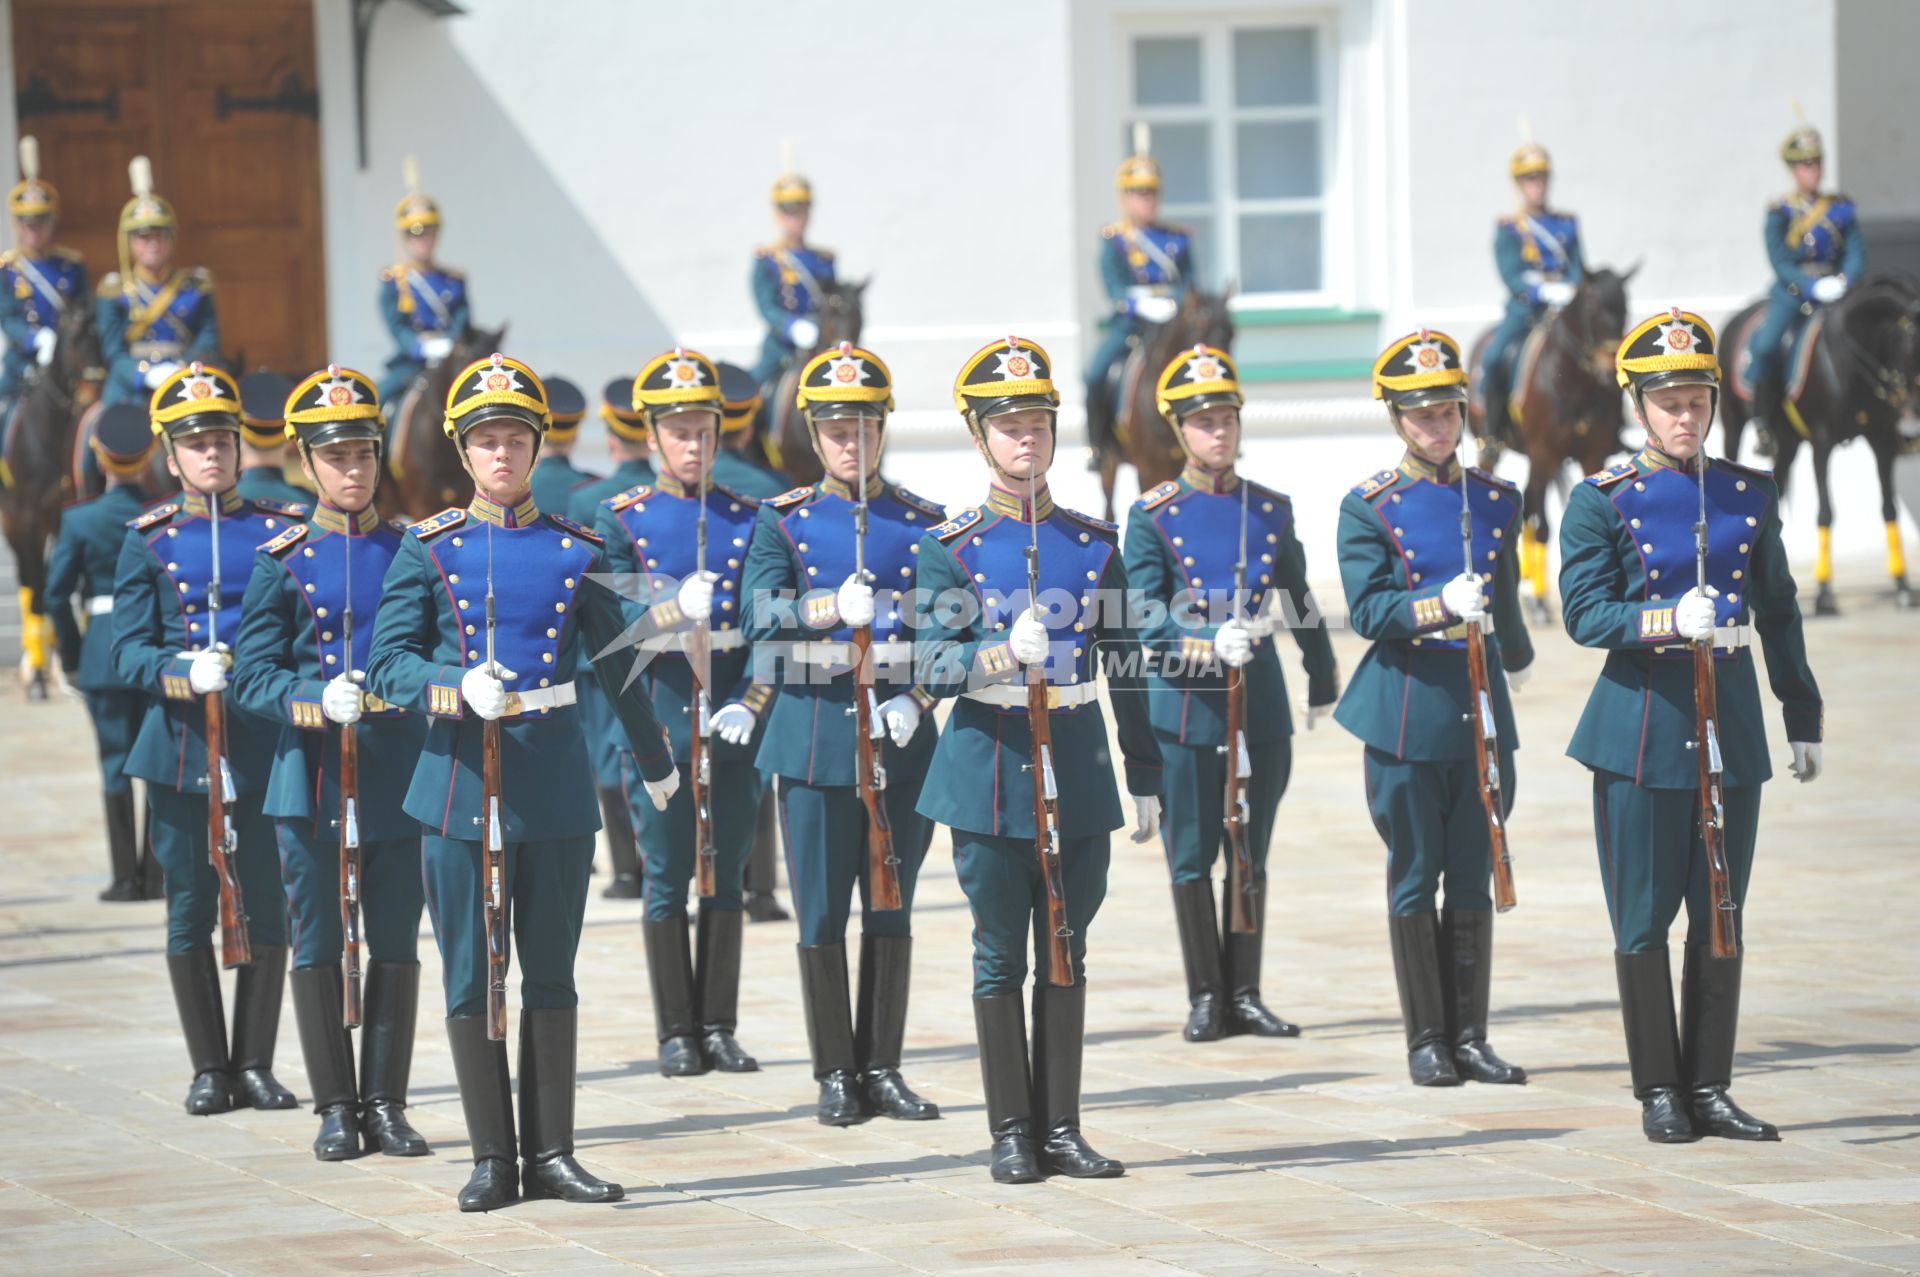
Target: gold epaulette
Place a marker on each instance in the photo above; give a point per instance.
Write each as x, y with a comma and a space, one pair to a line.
790, 498
568, 525
285, 509
955, 526
1612, 474
438, 523
1377, 483
286, 540
1154, 498
159, 514
626, 500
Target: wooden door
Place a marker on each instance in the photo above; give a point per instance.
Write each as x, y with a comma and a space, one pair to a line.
220, 94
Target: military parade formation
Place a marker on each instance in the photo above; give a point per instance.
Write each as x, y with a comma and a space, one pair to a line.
342, 721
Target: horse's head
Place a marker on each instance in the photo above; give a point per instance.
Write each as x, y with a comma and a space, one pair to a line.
77, 345
1598, 315
840, 312
1206, 317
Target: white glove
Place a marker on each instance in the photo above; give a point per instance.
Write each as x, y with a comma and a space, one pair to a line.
1028, 639
803, 333
435, 347
1827, 289
483, 689
207, 672
1808, 760
662, 791
1233, 644
157, 373
1517, 679
1462, 597
854, 599
1556, 292
340, 701
1317, 712
696, 596
44, 340
901, 715
734, 722
1156, 310
1146, 818
1693, 616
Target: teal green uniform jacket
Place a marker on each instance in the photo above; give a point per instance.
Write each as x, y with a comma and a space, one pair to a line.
1180, 555
732, 470
85, 556
554, 479
1399, 544
162, 607
553, 612
605, 741
269, 483
291, 644
972, 584
1627, 555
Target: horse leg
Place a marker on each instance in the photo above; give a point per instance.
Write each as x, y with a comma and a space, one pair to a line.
1882, 443
1533, 536
1823, 602
29, 555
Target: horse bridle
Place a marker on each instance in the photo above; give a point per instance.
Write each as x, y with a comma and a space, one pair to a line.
1891, 386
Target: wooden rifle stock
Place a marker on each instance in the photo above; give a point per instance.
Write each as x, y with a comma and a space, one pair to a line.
1046, 829
705, 855
1486, 759
494, 851
1706, 743
222, 845
1239, 769
883, 867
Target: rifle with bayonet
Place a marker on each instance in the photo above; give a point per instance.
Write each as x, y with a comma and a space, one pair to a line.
493, 845
223, 846
350, 815
1486, 730
1706, 747
870, 772
1239, 768
1046, 794
700, 660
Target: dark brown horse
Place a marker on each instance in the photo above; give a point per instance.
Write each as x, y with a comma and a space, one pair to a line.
784, 441
1566, 406
39, 442
1142, 436
423, 468
1862, 377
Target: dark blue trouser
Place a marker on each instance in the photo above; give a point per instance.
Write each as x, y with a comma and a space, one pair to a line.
1769, 340
391, 895
193, 892
1192, 827
666, 839
1430, 816
546, 888
825, 832
1651, 858
1113, 344
1001, 877
116, 721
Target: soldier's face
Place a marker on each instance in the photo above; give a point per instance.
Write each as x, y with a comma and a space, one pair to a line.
685, 442
33, 234
1212, 435
1142, 206
1533, 189
344, 473
793, 220
840, 445
1021, 443
1807, 175
1676, 418
420, 247
500, 455
1432, 431
207, 462
152, 250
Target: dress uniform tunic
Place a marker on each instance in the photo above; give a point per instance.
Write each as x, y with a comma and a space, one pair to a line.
34, 293
86, 555
143, 321
416, 304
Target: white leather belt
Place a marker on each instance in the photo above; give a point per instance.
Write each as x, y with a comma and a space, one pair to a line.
100, 605
1732, 636
536, 699
717, 641
1014, 695
836, 652
1137, 291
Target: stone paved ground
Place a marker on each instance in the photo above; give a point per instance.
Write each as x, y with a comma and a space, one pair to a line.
1243, 1157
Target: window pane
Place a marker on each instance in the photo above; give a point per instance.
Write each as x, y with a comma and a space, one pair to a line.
1280, 252
1275, 66
1166, 71
1186, 171
1278, 159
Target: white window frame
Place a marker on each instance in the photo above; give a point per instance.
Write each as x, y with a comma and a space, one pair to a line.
1220, 253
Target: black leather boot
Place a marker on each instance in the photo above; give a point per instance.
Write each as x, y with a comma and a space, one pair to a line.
1193, 917
1000, 1026
548, 1061
486, 1098
670, 972
1423, 1004
1469, 938
1059, 1033
257, 989
123, 851
1246, 1013
717, 977
622, 851
879, 1035
391, 1006
196, 995
823, 998
1710, 1016
1653, 1048
762, 904
318, 997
